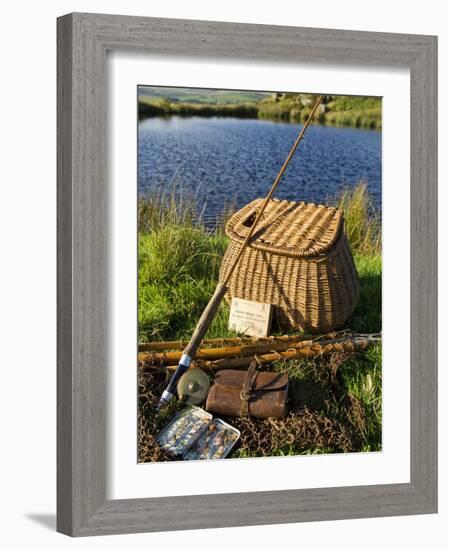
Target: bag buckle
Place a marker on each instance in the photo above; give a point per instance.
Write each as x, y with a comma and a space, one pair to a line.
245, 395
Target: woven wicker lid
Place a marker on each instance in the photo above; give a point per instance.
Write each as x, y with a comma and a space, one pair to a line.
289, 228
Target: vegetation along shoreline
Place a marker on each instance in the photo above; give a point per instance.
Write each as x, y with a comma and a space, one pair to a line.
342, 111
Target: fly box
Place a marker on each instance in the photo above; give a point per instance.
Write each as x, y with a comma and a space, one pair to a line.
215, 442
193, 434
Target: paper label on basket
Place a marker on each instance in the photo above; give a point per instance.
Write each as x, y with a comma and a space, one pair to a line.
250, 318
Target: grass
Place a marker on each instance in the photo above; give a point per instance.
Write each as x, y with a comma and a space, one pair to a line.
357, 112
179, 263
178, 270
370, 119
360, 112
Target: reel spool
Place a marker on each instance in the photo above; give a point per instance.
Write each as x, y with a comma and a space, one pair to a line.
193, 387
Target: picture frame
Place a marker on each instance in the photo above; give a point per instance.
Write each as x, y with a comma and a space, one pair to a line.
83, 41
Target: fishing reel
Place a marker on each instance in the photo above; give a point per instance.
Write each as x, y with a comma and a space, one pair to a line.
193, 387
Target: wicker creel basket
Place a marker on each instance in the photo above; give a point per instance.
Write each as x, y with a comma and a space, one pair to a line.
298, 260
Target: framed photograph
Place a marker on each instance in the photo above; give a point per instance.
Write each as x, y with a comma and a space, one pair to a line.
247, 274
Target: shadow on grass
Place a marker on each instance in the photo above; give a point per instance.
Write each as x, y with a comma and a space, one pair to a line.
367, 316
309, 392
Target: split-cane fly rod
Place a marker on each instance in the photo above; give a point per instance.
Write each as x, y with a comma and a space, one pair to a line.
221, 289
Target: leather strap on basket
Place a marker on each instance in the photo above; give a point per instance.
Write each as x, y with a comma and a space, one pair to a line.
246, 393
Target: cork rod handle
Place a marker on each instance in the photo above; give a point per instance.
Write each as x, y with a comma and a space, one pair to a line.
205, 320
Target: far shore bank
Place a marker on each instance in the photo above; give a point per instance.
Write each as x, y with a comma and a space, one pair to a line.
342, 111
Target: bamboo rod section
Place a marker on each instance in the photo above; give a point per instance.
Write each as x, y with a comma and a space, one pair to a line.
211, 354
220, 342
354, 343
172, 357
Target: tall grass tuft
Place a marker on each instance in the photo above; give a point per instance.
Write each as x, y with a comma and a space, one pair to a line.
162, 209
170, 207
362, 223
179, 260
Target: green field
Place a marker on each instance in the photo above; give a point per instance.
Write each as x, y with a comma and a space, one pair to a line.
335, 402
198, 95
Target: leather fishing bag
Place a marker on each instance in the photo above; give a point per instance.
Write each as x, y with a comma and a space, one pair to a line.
250, 393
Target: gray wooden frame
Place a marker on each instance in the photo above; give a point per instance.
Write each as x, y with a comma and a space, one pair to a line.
83, 40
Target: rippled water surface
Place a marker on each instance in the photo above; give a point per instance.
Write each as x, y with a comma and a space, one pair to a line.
223, 160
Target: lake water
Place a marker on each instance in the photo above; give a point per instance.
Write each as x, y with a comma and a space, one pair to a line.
220, 161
